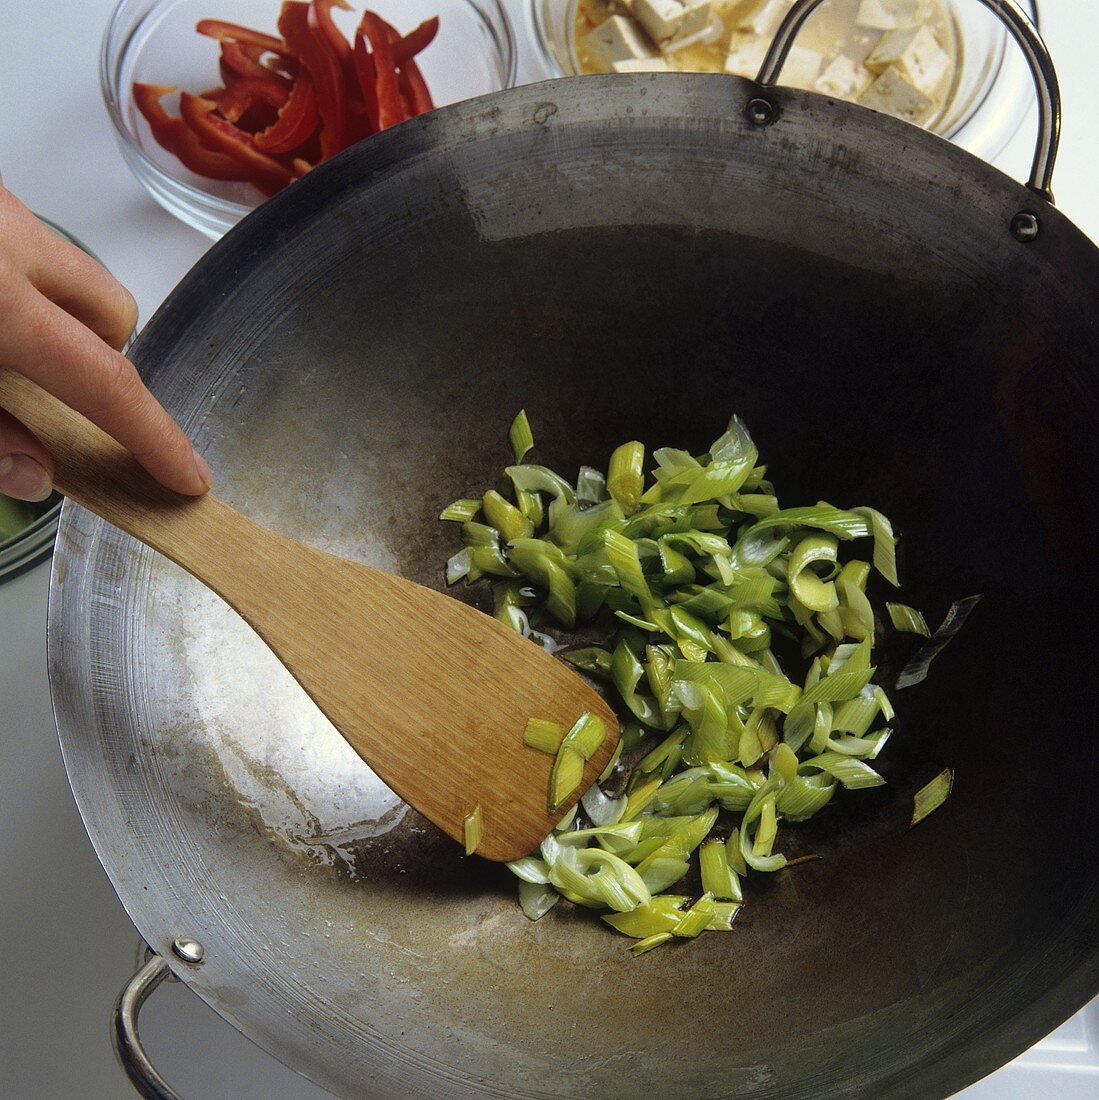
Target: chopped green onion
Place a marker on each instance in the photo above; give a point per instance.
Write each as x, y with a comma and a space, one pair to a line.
916, 670
461, 511
586, 736
718, 878
530, 869
535, 900
697, 919
473, 829
928, 799
724, 912
650, 942
662, 914
520, 436
568, 770
885, 544
907, 619
625, 475
505, 517
813, 592
544, 736
702, 589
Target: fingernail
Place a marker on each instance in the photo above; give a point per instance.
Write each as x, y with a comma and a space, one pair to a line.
23, 478
204, 472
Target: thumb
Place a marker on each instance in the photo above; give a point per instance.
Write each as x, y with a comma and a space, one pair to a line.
26, 470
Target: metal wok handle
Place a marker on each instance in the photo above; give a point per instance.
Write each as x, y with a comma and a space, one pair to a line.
1019, 27
125, 1039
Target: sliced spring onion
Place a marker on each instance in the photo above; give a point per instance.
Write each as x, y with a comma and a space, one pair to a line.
520, 436
662, 914
811, 590
915, 671
530, 869
626, 475
544, 736
587, 735
537, 900
461, 511
473, 829
707, 588
505, 517
724, 912
907, 619
649, 942
697, 919
885, 544
568, 770
928, 799
718, 878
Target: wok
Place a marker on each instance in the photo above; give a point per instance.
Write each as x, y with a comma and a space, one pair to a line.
898, 323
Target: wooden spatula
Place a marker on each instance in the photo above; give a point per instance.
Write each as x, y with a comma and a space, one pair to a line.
431, 693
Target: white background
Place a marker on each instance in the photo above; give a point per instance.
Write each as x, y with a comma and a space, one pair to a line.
66, 945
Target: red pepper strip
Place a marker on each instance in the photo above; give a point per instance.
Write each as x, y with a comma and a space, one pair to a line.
242, 60
219, 29
223, 137
414, 88
242, 91
416, 40
297, 120
390, 109
368, 84
176, 136
322, 12
295, 26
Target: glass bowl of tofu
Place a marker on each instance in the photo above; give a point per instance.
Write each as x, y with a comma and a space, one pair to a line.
940, 64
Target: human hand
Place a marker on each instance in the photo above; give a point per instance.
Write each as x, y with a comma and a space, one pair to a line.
63, 319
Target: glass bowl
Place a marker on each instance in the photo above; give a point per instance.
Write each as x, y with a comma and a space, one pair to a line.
34, 541
155, 42
991, 95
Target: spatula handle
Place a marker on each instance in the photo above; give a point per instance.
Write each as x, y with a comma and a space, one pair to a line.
99, 473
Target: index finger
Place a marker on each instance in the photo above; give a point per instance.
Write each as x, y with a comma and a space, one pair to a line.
45, 344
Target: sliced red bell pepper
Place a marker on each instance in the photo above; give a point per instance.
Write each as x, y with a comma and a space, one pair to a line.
390, 109
322, 12
296, 25
368, 85
416, 40
242, 60
242, 91
222, 31
173, 134
297, 120
222, 136
414, 88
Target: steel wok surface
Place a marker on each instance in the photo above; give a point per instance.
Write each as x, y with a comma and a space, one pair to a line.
625, 257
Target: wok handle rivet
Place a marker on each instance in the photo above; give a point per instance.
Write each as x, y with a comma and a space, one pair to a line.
1025, 226
189, 950
760, 111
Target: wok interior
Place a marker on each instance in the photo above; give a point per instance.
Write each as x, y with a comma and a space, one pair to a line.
346, 392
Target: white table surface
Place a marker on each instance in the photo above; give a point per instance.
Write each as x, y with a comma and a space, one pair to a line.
66, 946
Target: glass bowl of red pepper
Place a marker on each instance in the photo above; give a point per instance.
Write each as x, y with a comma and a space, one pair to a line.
217, 107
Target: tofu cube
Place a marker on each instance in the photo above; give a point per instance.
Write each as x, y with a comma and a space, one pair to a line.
802, 67
892, 15
765, 17
844, 78
642, 65
917, 54
617, 39
669, 21
746, 54
895, 95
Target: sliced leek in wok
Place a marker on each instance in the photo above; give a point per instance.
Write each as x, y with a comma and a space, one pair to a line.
739, 638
